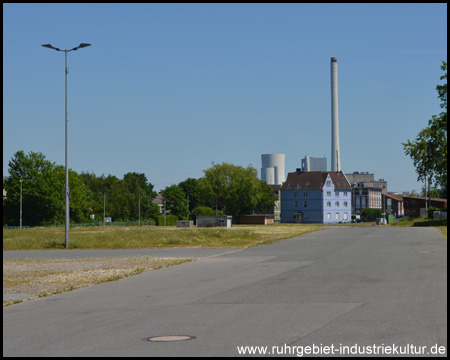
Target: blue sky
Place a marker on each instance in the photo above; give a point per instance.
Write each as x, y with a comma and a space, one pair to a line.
168, 89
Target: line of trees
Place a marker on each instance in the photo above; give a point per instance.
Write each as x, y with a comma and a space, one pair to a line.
225, 189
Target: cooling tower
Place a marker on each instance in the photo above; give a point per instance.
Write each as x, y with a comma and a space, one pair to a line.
272, 171
335, 151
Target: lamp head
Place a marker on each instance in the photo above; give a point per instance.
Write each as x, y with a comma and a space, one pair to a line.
51, 47
82, 45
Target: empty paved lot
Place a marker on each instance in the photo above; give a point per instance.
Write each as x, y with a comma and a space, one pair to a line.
371, 286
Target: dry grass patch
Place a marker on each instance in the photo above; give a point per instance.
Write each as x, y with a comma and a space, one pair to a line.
151, 237
47, 277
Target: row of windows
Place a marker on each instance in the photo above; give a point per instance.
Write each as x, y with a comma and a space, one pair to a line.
305, 204
336, 204
336, 193
337, 216
345, 216
305, 194
329, 183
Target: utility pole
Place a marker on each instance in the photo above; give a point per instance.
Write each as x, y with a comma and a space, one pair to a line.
188, 207
165, 211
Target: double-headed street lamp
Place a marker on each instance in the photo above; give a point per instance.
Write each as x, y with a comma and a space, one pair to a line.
66, 186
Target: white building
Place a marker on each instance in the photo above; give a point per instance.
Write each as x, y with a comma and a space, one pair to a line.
314, 164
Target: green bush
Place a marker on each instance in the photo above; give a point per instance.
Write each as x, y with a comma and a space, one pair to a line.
431, 210
431, 223
205, 211
369, 214
171, 220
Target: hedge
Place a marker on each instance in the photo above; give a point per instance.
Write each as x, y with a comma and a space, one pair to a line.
171, 220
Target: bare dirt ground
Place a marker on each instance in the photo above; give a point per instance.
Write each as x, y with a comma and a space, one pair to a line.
30, 278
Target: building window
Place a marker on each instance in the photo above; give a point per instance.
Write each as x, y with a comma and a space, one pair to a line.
329, 204
295, 204
328, 193
329, 216
328, 182
345, 204
345, 193
305, 204
295, 193
337, 216
336, 193
337, 204
306, 215
305, 194
345, 216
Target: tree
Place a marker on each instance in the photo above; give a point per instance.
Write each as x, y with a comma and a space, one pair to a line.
139, 187
176, 201
30, 169
235, 190
434, 193
43, 199
429, 150
122, 196
192, 189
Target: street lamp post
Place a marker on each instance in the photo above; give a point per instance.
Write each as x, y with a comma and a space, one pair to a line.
20, 223
104, 205
66, 186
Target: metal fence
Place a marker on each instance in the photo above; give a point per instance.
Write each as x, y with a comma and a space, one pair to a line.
114, 223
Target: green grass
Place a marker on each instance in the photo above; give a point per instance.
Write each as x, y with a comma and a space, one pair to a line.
41, 238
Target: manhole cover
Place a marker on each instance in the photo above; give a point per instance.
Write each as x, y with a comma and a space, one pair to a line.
169, 338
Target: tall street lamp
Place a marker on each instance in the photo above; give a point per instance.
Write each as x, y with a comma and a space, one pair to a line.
20, 223
66, 187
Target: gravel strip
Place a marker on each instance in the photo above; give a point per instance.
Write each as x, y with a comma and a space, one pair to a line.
30, 278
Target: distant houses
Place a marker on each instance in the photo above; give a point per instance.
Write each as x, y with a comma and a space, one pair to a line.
393, 205
413, 205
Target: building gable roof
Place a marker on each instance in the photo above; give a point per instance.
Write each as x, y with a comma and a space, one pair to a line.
315, 180
395, 197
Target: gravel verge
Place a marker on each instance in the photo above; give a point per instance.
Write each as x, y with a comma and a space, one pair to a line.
25, 279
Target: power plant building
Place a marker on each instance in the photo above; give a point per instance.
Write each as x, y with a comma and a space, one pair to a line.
314, 164
273, 169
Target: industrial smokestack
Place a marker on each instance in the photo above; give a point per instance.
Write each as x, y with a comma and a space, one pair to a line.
335, 150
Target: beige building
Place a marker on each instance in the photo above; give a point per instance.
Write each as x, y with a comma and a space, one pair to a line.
364, 179
366, 197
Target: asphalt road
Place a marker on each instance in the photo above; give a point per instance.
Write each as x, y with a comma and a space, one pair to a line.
343, 289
